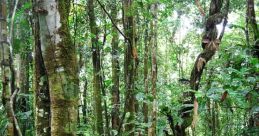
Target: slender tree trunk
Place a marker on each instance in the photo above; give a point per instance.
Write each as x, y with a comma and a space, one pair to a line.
210, 44
24, 60
84, 108
115, 70
23, 85
96, 68
146, 68
253, 29
5, 67
6, 71
61, 65
152, 129
252, 26
41, 86
129, 65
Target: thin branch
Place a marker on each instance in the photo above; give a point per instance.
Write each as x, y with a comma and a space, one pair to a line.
113, 23
12, 25
200, 8
12, 99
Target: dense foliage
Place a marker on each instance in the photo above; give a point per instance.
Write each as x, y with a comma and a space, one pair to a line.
125, 67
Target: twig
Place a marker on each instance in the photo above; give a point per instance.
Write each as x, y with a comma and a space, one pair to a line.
12, 25
12, 112
114, 25
200, 8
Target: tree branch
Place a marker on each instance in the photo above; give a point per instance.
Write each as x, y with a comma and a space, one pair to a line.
200, 8
12, 99
114, 25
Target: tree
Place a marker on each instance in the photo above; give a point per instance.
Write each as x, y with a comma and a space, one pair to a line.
7, 72
210, 44
152, 129
129, 65
97, 82
253, 28
60, 61
115, 69
252, 25
41, 92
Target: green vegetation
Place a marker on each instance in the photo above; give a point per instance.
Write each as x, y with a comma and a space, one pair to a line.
129, 68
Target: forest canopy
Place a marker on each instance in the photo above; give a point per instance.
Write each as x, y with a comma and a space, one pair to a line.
129, 67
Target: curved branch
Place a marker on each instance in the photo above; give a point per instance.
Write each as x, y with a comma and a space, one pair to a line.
113, 23
12, 99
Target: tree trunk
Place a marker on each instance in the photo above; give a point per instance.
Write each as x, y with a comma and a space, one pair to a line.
129, 65
253, 28
152, 129
6, 68
84, 107
96, 68
61, 65
115, 70
41, 86
210, 44
146, 67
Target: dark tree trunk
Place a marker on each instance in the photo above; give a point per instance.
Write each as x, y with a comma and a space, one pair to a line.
84, 107
210, 44
97, 85
146, 67
115, 70
253, 30
252, 26
129, 65
42, 96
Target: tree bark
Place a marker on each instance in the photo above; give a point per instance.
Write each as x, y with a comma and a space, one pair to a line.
129, 65
115, 70
152, 129
252, 26
146, 67
6, 68
253, 29
96, 68
61, 65
210, 44
41, 85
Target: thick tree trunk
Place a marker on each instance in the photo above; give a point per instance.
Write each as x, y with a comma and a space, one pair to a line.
115, 70
97, 85
61, 65
210, 44
129, 65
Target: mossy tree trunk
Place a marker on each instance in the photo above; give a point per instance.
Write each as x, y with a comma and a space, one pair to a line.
6, 70
146, 66
252, 26
254, 32
115, 70
210, 43
129, 65
97, 80
24, 59
152, 129
59, 56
